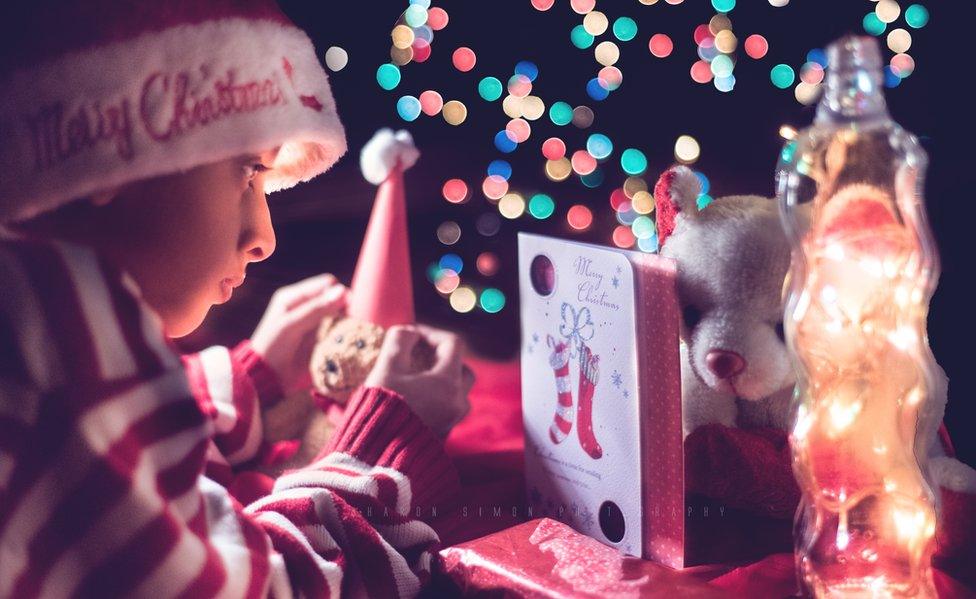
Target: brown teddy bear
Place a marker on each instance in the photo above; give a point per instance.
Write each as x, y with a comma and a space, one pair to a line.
345, 352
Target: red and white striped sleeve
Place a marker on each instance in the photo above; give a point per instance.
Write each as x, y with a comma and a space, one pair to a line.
232, 387
102, 454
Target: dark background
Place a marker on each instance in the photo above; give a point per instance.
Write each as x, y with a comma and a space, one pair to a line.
320, 224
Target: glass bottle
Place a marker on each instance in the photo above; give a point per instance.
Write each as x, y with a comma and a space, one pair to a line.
863, 270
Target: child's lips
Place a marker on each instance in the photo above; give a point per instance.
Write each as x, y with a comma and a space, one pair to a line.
228, 285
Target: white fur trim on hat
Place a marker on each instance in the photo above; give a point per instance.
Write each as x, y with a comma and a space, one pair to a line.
163, 102
382, 152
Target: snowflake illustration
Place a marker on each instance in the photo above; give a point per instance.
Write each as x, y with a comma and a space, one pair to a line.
615, 282
535, 337
626, 393
619, 270
617, 379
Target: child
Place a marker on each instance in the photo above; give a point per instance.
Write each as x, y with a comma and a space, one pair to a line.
139, 139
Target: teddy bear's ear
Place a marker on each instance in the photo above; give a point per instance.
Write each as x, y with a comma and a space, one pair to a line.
676, 192
325, 326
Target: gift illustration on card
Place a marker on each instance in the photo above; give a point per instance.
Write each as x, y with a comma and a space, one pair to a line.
601, 405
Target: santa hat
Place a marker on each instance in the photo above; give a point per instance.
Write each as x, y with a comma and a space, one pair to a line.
101, 93
382, 290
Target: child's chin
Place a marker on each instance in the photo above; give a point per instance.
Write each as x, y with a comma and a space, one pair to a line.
183, 326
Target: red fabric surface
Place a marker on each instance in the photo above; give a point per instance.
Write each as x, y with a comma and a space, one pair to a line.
487, 450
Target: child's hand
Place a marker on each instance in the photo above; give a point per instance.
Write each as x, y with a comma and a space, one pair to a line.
286, 334
439, 396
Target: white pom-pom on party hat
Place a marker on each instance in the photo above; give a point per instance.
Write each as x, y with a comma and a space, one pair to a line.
382, 288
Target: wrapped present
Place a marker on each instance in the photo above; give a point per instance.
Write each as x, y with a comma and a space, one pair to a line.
546, 558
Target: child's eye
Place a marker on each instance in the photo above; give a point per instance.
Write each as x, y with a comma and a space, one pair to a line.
251, 170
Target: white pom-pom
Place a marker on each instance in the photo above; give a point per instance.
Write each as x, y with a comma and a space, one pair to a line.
383, 151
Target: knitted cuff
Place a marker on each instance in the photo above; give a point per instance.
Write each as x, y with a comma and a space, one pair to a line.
381, 430
248, 361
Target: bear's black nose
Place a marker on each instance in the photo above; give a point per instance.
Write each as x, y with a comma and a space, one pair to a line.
331, 366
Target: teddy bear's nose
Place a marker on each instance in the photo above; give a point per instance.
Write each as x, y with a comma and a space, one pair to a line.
724, 364
331, 366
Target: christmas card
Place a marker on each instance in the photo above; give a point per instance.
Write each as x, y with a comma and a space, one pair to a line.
601, 398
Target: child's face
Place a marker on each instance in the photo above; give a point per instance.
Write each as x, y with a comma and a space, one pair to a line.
187, 238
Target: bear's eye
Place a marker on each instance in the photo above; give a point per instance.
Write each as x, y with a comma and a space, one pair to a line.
338, 339
780, 332
360, 344
691, 316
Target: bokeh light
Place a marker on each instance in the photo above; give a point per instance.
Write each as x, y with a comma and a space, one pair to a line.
782, 76
686, 149
502, 168
756, 46
887, 10
455, 191
388, 76
408, 107
661, 45
451, 262
599, 146
607, 53
494, 187
582, 117
431, 102
553, 148
518, 130
487, 264
633, 161
595, 23
511, 206
504, 142
560, 113
464, 59
917, 16
583, 162
623, 237
336, 59
492, 300
488, 224
463, 299
490, 89
580, 37
597, 89
454, 112
449, 232
625, 29
873, 25
558, 170
579, 217
541, 206
582, 6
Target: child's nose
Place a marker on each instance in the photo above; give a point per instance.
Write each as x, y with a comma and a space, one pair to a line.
724, 364
259, 240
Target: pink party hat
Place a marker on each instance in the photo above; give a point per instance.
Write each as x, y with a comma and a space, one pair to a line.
382, 289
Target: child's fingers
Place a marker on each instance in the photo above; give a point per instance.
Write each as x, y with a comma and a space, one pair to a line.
447, 351
296, 293
398, 347
311, 312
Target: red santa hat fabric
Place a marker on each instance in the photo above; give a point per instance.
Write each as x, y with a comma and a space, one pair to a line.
101, 93
382, 288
